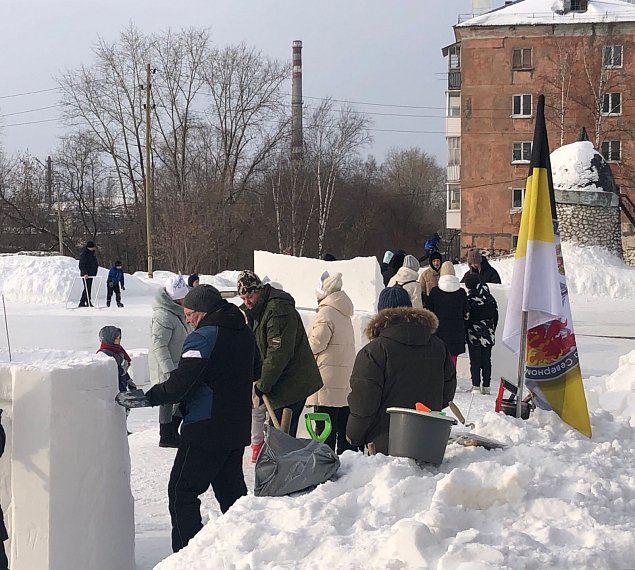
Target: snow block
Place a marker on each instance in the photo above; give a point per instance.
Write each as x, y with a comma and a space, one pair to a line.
300, 276
70, 467
139, 370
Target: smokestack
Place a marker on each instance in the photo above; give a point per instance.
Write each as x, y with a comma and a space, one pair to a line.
481, 7
297, 144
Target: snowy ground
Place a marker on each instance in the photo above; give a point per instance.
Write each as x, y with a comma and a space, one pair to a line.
552, 499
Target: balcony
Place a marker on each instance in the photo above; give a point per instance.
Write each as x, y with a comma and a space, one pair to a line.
454, 173
454, 79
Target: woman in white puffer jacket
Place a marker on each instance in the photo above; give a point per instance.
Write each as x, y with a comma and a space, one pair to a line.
332, 342
408, 277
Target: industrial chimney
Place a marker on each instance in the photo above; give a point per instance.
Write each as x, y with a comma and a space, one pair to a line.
297, 143
481, 6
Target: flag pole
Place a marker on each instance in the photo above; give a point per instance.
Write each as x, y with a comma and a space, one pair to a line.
522, 356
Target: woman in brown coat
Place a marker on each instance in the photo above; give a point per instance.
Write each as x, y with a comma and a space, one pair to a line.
429, 279
332, 342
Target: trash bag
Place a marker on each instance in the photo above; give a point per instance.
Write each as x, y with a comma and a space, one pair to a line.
287, 464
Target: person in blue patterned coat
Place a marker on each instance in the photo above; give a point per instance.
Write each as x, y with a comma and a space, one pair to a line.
480, 330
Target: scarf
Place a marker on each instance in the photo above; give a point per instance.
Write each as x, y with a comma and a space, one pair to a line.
116, 348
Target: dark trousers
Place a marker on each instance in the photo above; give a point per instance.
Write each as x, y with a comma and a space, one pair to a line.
480, 362
87, 286
337, 438
296, 412
4, 562
196, 467
113, 288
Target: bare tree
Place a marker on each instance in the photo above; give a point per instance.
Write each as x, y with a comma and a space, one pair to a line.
334, 138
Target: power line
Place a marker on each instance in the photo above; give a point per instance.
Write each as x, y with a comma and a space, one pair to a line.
30, 123
30, 110
29, 93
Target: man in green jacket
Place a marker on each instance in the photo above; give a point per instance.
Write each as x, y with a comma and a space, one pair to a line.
289, 373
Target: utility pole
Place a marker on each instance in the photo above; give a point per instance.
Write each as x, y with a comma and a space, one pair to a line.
49, 188
148, 169
297, 143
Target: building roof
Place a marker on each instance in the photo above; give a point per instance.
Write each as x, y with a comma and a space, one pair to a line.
536, 12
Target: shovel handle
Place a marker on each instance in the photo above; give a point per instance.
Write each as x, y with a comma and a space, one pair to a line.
457, 412
272, 415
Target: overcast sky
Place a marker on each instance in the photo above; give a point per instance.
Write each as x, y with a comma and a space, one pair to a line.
375, 51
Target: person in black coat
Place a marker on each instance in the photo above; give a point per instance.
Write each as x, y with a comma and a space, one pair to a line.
479, 265
212, 385
4, 535
404, 363
449, 303
395, 263
87, 269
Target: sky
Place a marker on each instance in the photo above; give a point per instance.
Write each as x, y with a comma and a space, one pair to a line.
359, 50
551, 499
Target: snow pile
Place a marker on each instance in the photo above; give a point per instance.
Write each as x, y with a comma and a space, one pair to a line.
615, 392
224, 281
591, 270
36, 279
552, 499
572, 167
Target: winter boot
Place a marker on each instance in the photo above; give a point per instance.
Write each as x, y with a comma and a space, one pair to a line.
107, 303
485, 390
168, 437
255, 451
119, 304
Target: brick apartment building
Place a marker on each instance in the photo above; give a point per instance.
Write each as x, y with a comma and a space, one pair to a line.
581, 55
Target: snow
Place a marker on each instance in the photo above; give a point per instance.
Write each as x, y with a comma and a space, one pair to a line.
571, 167
534, 12
552, 499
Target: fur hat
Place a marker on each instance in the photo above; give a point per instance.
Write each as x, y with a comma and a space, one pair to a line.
387, 256
411, 262
204, 298
248, 282
447, 269
109, 334
192, 279
176, 287
472, 280
329, 284
473, 256
392, 297
90, 244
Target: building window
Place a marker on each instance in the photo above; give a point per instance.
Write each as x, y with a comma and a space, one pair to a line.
454, 104
518, 197
521, 106
521, 58
612, 56
612, 151
612, 104
521, 152
455, 56
514, 241
579, 5
454, 151
454, 197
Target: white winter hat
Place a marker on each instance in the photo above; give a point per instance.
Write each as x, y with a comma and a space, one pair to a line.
411, 262
328, 284
176, 287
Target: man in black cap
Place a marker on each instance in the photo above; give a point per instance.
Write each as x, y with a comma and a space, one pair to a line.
87, 269
212, 385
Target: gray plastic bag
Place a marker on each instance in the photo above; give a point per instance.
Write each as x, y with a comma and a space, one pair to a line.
287, 464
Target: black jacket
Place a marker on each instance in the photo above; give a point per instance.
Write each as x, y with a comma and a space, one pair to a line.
450, 307
88, 262
395, 263
212, 382
487, 273
404, 363
483, 317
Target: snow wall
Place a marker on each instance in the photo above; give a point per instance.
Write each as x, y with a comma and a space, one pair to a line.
299, 276
65, 474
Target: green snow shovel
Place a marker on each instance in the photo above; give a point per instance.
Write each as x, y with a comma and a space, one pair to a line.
318, 417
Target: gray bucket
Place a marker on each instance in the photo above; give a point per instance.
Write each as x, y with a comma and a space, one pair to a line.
422, 436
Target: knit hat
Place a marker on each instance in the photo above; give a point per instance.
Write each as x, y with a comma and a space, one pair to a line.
329, 257
117, 263
204, 298
109, 333
176, 287
472, 280
328, 284
473, 256
392, 297
434, 255
191, 279
90, 244
248, 282
388, 256
447, 269
411, 262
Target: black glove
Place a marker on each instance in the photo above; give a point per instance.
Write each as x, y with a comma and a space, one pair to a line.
260, 394
122, 287
131, 385
133, 399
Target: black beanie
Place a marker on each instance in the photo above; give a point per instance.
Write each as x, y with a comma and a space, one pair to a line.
204, 298
191, 279
90, 244
472, 280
